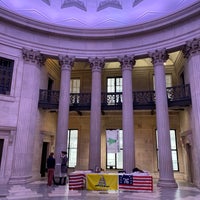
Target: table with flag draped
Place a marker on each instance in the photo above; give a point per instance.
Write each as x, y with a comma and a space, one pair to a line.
110, 181
135, 182
77, 180
102, 181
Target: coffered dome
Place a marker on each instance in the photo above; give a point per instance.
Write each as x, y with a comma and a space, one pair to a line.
95, 14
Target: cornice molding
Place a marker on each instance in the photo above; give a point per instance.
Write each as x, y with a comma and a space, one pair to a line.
169, 20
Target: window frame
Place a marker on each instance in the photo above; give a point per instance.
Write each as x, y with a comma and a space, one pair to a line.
172, 150
10, 64
116, 155
114, 97
70, 148
73, 87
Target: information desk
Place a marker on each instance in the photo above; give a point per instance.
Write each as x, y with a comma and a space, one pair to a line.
110, 181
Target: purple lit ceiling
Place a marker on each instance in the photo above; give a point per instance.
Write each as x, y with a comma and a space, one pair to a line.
95, 13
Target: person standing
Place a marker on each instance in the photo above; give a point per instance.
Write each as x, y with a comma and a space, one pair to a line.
64, 161
50, 168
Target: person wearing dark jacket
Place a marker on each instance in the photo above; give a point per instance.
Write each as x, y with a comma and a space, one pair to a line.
50, 168
64, 161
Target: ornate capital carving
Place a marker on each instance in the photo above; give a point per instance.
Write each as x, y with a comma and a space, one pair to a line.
159, 56
97, 63
32, 56
126, 62
66, 62
192, 48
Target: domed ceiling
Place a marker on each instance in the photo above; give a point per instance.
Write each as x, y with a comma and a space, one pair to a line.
95, 14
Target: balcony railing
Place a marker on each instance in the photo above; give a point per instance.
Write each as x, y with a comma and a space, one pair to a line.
178, 96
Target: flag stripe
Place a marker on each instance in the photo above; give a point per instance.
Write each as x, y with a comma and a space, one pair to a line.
141, 183
76, 181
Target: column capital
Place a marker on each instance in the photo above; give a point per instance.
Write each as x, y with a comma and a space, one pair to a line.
192, 47
127, 61
96, 63
31, 56
159, 56
66, 62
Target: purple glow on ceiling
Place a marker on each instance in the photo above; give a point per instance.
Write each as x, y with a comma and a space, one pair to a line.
95, 13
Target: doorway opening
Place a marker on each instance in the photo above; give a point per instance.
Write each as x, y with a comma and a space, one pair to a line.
43, 159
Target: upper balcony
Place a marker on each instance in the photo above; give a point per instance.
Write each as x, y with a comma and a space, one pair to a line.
178, 96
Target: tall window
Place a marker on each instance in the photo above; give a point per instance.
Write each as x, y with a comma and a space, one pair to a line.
75, 86
75, 90
1, 149
115, 160
174, 151
114, 87
72, 147
6, 71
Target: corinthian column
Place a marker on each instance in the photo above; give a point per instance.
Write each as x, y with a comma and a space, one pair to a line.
27, 117
127, 63
95, 118
192, 53
66, 64
166, 178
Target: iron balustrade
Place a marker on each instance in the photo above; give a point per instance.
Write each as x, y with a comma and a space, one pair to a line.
111, 100
144, 100
80, 101
49, 99
178, 96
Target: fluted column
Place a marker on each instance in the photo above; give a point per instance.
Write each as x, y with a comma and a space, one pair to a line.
95, 118
166, 178
66, 64
192, 53
127, 63
26, 124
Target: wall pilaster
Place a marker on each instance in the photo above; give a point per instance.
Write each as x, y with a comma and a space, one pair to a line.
27, 117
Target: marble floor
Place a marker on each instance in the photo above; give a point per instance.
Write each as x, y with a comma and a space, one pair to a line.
40, 191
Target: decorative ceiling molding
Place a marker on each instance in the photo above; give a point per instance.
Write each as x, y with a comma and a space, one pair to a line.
76, 3
109, 3
47, 2
136, 2
96, 14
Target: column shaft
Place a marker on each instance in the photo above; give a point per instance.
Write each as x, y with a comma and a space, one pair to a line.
63, 109
166, 178
95, 118
192, 52
127, 114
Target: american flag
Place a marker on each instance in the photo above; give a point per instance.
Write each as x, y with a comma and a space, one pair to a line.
76, 181
130, 182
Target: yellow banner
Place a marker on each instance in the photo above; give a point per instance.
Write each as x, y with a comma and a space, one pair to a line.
102, 182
